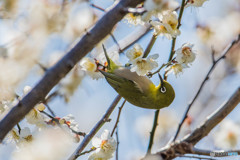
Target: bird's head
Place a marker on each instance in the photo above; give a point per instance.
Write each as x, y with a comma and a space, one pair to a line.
165, 91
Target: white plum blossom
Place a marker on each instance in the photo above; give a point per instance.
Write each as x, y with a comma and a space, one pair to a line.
154, 7
88, 64
135, 52
134, 19
176, 69
3, 107
6, 105
69, 122
141, 65
185, 55
34, 117
167, 25
154, 4
195, 3
227, 136
114, 56
25, 135
90, 67
105, 147
26, 90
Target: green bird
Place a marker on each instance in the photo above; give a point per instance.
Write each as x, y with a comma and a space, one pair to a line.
138, 90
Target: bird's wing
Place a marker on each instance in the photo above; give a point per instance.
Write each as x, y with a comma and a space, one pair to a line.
119, 83
142, 82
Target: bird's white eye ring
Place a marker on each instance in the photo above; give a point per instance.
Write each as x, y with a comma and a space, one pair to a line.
163, 89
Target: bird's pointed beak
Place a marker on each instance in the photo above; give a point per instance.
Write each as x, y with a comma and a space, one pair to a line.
161, 80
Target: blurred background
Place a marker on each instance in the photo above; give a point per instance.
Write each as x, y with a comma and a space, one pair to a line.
41, 31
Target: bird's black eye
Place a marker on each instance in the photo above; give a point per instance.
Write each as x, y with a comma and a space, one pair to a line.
163, 89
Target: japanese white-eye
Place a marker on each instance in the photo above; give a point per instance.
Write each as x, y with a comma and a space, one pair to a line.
138, 90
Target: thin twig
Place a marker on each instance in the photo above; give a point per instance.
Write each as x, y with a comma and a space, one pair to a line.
51, 96
117, 149
159, 69
50, 116
152, 133
213, 55
42, 66
172, 52
150, 45
48, 99
50, 110
57, 122
118, 117
89, 151
202, 84
200, 151
19, 128
116, 42
97, 7
95, 129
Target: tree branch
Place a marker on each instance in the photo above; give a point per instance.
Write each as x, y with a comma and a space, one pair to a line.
118, 117
152, 133
150, 45
186, 144
103, 27
95, 129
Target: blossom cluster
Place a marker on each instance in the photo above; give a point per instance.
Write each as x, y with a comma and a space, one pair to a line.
167, 24
161, 15
139, 64
184, 57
